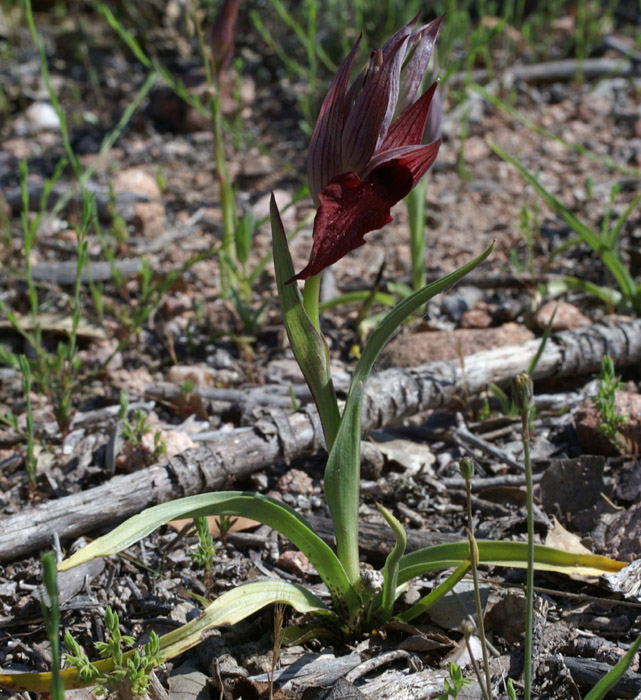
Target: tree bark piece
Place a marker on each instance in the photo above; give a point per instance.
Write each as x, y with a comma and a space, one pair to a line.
391, 396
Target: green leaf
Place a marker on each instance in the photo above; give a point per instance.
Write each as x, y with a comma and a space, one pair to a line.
609, 296
509, 554
265, 510
230, 608
613, 236
307, 343
585, 233
342, 471
435, 595
612, 677
355, 298
390, 569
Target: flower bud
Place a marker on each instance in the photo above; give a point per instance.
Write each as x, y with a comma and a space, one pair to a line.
522, 391
466, 467
223, 35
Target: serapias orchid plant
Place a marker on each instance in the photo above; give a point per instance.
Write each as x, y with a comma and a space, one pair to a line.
361, 162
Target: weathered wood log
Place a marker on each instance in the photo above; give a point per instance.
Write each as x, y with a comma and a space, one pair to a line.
588, 672
391, 396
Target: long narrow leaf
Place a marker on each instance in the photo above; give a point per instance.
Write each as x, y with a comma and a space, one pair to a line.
342, 471
509, 554
307, 343
230, 608
613, 236
390, 570
435, 595
234, 503
610, 259
609, 296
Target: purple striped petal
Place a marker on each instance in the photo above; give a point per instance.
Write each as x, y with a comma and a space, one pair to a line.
420, 50
434, 126
324, 156
371, 115
416, 159
409, 128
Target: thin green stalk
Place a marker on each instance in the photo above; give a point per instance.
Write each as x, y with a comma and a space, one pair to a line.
467, 471
467, 633
51, 615
416, 212
311, 296
525, 402
228, 257
530, 566
30, 463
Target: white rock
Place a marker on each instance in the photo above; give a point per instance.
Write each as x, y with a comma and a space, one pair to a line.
41, 115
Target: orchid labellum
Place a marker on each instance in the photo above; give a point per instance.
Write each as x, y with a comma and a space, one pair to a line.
366, 152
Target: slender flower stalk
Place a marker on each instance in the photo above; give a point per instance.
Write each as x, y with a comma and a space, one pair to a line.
223, 35
524, 400
222, 41
467, 472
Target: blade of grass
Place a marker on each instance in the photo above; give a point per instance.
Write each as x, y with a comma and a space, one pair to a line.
587, 235
612, 677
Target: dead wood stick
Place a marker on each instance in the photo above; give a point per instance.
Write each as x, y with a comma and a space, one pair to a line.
551, 71
391, 396
588, 672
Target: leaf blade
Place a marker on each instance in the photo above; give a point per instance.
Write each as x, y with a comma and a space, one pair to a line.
232, 607
509, 554
342, 471
234, 503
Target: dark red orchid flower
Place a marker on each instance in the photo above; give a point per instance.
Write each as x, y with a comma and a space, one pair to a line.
366, 152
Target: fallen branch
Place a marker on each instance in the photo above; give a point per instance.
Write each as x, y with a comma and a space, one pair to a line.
552, 71
391, 396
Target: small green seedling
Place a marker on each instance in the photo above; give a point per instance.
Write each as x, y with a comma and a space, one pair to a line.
610, 421
206, 552
129, 671
225, 523
134, 432
457, 681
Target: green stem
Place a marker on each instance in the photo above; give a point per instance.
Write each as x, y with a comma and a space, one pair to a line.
416, 213
530, 556
311, 297
487, 691
228, 249
227, 257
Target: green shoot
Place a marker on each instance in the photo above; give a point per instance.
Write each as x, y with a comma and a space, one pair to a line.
466, 468
457, 681
130, 672
51, 615
225, 524
135, 431
206, 552
30, 461
524, 400
610, 421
